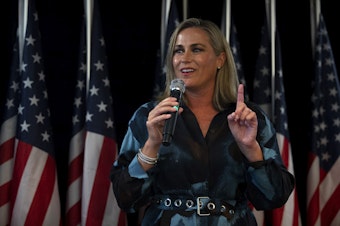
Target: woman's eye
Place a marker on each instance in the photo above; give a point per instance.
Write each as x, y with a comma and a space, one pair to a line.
197, 50
178, 51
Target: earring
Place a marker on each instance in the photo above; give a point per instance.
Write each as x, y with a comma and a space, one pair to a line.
218, 68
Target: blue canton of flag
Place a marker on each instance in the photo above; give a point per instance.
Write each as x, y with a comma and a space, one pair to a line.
34, 112
173, 20
7, 137
262, 79
235, 48
323, 190
266, 95
79, 104
34, 181
99, 115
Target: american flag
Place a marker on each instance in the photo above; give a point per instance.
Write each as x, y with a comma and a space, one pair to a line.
288, 214
172, 22
235, 47
31, 195
7, 138
323, 190
93, 147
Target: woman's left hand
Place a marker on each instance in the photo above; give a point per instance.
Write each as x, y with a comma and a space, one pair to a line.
243, 125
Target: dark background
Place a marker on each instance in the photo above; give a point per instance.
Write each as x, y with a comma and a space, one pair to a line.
132, 35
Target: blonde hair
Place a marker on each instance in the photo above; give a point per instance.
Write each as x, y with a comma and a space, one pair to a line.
226, 79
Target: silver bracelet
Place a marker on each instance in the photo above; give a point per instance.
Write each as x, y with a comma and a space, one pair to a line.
146, 159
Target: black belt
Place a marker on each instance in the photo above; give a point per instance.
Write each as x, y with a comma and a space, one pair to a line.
202, 205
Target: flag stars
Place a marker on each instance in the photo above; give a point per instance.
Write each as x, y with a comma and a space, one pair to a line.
21, 109
24, 126
256, 83
78, 102
282, 110
263, 50
234, 49
102, 41
285, 125
81, 84
45, 136
329, 62
36, 58
323, 126
337, 137
326, 47
109, 123
22, 67
102, 106
315, 113
89, 117
45, 94
82, 67
28, 83
331, 77
318, 48
35, 15
324, 141
265, 71
30, 40
106, 82
9, 103
325, 156
335, 107
267, 91
75, 119
94, 91
34, 100
99, 66
336, 122
40, 118
278, 95
321, 110
14, 86
41, 76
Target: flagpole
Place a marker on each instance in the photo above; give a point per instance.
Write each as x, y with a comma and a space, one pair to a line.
185, 9
315, 9
270, 12
273, 40
227, 20
88, 9
164, 22
22, 24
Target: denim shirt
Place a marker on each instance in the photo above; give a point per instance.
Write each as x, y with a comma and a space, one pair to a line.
197, 166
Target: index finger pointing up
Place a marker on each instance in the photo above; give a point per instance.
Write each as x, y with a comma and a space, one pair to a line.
240, 94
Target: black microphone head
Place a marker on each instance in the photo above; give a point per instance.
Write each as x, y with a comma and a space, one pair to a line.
177, 84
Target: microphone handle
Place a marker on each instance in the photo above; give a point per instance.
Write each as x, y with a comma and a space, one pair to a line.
170, 123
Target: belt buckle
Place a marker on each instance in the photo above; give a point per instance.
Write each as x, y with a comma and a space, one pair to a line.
200, 205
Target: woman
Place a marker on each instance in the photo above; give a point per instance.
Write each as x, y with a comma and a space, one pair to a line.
223, 153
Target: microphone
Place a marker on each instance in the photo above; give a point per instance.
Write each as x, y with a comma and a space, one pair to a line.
177, 88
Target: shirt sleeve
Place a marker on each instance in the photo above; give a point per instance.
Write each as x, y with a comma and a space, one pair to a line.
269, 182
131, 184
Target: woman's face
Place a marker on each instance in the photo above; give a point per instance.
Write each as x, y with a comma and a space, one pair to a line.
194, 59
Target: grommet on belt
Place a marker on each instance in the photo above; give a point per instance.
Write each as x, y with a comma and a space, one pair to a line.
189, 203
211, 206
167, 202
178, 202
